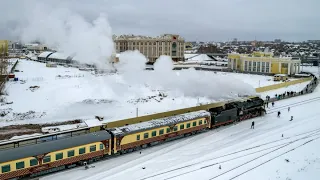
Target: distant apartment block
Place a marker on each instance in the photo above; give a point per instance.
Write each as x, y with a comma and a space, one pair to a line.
260, 62
152, 47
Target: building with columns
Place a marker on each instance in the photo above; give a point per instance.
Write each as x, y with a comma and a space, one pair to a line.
260, 62
152, 47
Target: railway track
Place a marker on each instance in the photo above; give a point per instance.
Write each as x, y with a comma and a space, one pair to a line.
305, 135
276, 109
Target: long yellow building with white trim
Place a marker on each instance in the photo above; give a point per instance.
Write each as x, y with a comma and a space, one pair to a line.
263, 63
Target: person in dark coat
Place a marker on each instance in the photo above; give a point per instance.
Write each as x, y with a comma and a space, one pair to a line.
252, 125
279, 113
272, 104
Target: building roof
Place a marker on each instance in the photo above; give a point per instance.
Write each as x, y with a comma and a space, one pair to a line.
167, 121
50, 146
45, 54
197, 57
58, 55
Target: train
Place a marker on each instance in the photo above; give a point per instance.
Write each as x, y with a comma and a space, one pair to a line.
34, 157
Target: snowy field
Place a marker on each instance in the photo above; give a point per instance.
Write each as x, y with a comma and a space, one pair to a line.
60, 94
276, 149
44, 94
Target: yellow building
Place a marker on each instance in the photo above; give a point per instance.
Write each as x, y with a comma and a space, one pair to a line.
263, 63
4, 47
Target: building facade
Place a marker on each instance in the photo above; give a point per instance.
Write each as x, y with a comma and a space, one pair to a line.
152, 47
264, 63
4, 47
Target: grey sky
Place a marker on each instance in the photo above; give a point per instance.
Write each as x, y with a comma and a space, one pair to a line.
217, 20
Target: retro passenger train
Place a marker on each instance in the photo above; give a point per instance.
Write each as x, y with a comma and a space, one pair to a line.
33, 157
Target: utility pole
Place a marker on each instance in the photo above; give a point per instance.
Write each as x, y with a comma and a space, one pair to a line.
137, 111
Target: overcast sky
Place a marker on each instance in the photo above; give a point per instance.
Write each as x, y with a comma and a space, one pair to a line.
206, 20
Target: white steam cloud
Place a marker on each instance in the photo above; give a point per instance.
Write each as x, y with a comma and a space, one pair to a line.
189, 82
69, 33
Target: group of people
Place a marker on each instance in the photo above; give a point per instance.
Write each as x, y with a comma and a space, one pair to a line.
278, 115
307, 89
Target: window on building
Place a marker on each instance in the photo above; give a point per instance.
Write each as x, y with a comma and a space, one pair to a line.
138, 137
33, 162
154, 133
101, 146
93, 148
82, 150
205, 121
245, 65
267, 67
46, 159
188, 125
263, 66
194, 123
161, 131
250, 65
59, 156
254, 66
175, 128
134, 43
20, 165
5, 168
168, 130
146, 135
200, 122
181, 126
71, 153
258, 67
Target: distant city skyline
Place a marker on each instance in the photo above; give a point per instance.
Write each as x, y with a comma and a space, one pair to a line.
205, 20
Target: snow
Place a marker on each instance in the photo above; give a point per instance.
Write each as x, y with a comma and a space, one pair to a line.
197, 57
25, 136
312, 69
295, 88
62, 94
45, 54
161, 122
58, 55
63, 127
93, 122
276, 149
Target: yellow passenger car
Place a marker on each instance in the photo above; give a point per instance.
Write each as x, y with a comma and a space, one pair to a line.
135, 136
42, 158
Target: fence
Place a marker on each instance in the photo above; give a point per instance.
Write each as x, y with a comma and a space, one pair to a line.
306, 90
281, 85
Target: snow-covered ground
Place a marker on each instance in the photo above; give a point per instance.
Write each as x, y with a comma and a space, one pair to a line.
45, 94
59, 94
312, 69
276, 149
295, 88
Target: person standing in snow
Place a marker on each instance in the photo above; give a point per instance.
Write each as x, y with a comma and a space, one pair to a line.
279, 113
272, 104
252, 125
288, 109
291, 118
